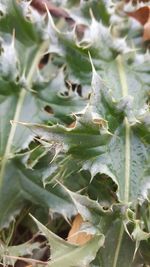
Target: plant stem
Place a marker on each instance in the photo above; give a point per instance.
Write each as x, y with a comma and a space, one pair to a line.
124, 87
118, 246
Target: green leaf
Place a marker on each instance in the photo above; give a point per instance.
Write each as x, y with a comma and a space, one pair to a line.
71, 49
122, 153
19, 16
119, 244
29, 188
61, 98
7, 253
110, 138
98, 8
14, 106
98, 165
67, 255
19, 101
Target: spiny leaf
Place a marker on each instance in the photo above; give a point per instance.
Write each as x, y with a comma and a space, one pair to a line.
17, 251
19, 75
104, 152
29, 187
114, 142
70, 255
127, 140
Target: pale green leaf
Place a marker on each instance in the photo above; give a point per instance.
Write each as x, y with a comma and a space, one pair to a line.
7, 253
68, 255
29, 188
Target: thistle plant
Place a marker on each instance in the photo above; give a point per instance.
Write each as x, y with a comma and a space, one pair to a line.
74, 96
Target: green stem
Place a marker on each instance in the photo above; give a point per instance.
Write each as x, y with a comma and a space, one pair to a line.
118, 246
124, 87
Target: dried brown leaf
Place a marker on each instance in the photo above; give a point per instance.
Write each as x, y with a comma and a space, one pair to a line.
75, 235
143, 16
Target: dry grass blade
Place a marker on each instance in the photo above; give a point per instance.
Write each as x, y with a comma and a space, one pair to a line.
32, 261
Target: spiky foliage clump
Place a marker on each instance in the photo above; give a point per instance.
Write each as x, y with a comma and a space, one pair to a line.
78, 141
